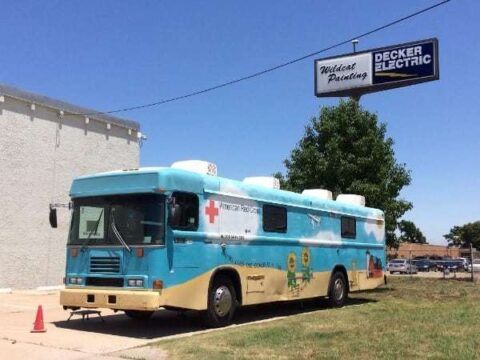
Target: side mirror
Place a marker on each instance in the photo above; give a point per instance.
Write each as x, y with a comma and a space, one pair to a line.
175, 215
53, 217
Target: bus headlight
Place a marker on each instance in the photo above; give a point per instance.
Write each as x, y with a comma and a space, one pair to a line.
76, 280
135, 282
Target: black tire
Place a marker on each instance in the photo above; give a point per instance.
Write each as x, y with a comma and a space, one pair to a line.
338, 290
138, 314
222, 302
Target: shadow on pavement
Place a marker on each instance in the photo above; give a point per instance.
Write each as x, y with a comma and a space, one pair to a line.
166, 323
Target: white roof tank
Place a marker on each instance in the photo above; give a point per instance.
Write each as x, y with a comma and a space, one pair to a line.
351, 199
197, 166
318, 193
266, 181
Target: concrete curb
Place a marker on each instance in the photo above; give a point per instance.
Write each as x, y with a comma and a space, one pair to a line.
50, 288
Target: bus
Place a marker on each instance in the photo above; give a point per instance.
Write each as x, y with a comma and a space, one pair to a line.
181, 237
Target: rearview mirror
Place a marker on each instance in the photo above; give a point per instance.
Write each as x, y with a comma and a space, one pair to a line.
175, 215
53, 217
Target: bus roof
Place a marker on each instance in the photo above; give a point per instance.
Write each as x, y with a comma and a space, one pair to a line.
164, 179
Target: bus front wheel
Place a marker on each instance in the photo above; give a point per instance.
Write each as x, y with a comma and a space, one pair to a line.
338, 291
222, 302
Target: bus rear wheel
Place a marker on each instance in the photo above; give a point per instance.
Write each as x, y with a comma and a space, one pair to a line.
222, 302
138, 314
338, 291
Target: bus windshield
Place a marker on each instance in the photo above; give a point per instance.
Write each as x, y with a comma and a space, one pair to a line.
139, 220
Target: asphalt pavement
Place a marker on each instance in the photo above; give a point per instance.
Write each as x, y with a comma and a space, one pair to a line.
74, 339
117, 337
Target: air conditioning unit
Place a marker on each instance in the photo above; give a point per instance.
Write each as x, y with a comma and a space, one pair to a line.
318, 193
351, 199
196, 166
266, 181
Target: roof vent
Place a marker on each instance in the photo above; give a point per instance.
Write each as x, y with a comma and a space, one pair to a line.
266, 181
351, 199
318, 193
197, 166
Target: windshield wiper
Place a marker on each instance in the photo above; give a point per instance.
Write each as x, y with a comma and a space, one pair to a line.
94, 231
117, 233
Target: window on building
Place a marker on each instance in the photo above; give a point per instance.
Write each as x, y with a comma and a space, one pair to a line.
274, 218
184, 211
349, 227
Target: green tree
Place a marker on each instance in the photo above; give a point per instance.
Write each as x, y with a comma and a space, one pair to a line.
346, 150
409, 232
464, 235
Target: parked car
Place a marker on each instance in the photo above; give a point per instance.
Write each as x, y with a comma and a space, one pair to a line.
475, 264
465, 262
402, 266
424, 265
452, 265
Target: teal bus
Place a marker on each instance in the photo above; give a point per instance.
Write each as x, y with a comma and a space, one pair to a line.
181, 237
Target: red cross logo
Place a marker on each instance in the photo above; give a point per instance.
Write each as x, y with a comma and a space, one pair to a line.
211, 211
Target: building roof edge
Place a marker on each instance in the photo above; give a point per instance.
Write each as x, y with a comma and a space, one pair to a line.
13, 92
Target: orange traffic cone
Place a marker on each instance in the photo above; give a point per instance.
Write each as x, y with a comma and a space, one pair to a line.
38, 326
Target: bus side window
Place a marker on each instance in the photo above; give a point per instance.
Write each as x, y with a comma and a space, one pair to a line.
349, 227
186, 207
274, 218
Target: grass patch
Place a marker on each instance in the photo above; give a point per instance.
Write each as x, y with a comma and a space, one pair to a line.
410, 318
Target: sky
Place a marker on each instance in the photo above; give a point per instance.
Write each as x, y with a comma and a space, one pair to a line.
112, 54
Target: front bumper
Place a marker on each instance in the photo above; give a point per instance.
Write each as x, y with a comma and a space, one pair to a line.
111, 299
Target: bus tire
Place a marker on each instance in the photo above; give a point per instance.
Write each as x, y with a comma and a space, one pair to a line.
338, 291
138, 314
222, 302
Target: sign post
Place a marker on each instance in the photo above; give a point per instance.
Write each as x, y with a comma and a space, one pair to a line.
379, 69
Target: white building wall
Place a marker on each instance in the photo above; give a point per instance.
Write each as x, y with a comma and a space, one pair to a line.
40, 154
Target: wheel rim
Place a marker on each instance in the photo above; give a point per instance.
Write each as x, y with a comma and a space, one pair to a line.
222, 301
338, 289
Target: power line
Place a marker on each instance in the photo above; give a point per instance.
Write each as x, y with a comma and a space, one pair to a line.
263, 72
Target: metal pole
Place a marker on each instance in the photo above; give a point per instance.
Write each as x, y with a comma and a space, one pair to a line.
410, 261
471, 260
355, 97
354, 43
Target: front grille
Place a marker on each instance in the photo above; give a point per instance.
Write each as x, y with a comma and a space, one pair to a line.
105, 265
111, 282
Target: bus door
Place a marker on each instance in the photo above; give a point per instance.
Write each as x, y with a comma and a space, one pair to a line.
182, 241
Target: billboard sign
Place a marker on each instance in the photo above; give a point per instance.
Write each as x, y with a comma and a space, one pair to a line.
377, 69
